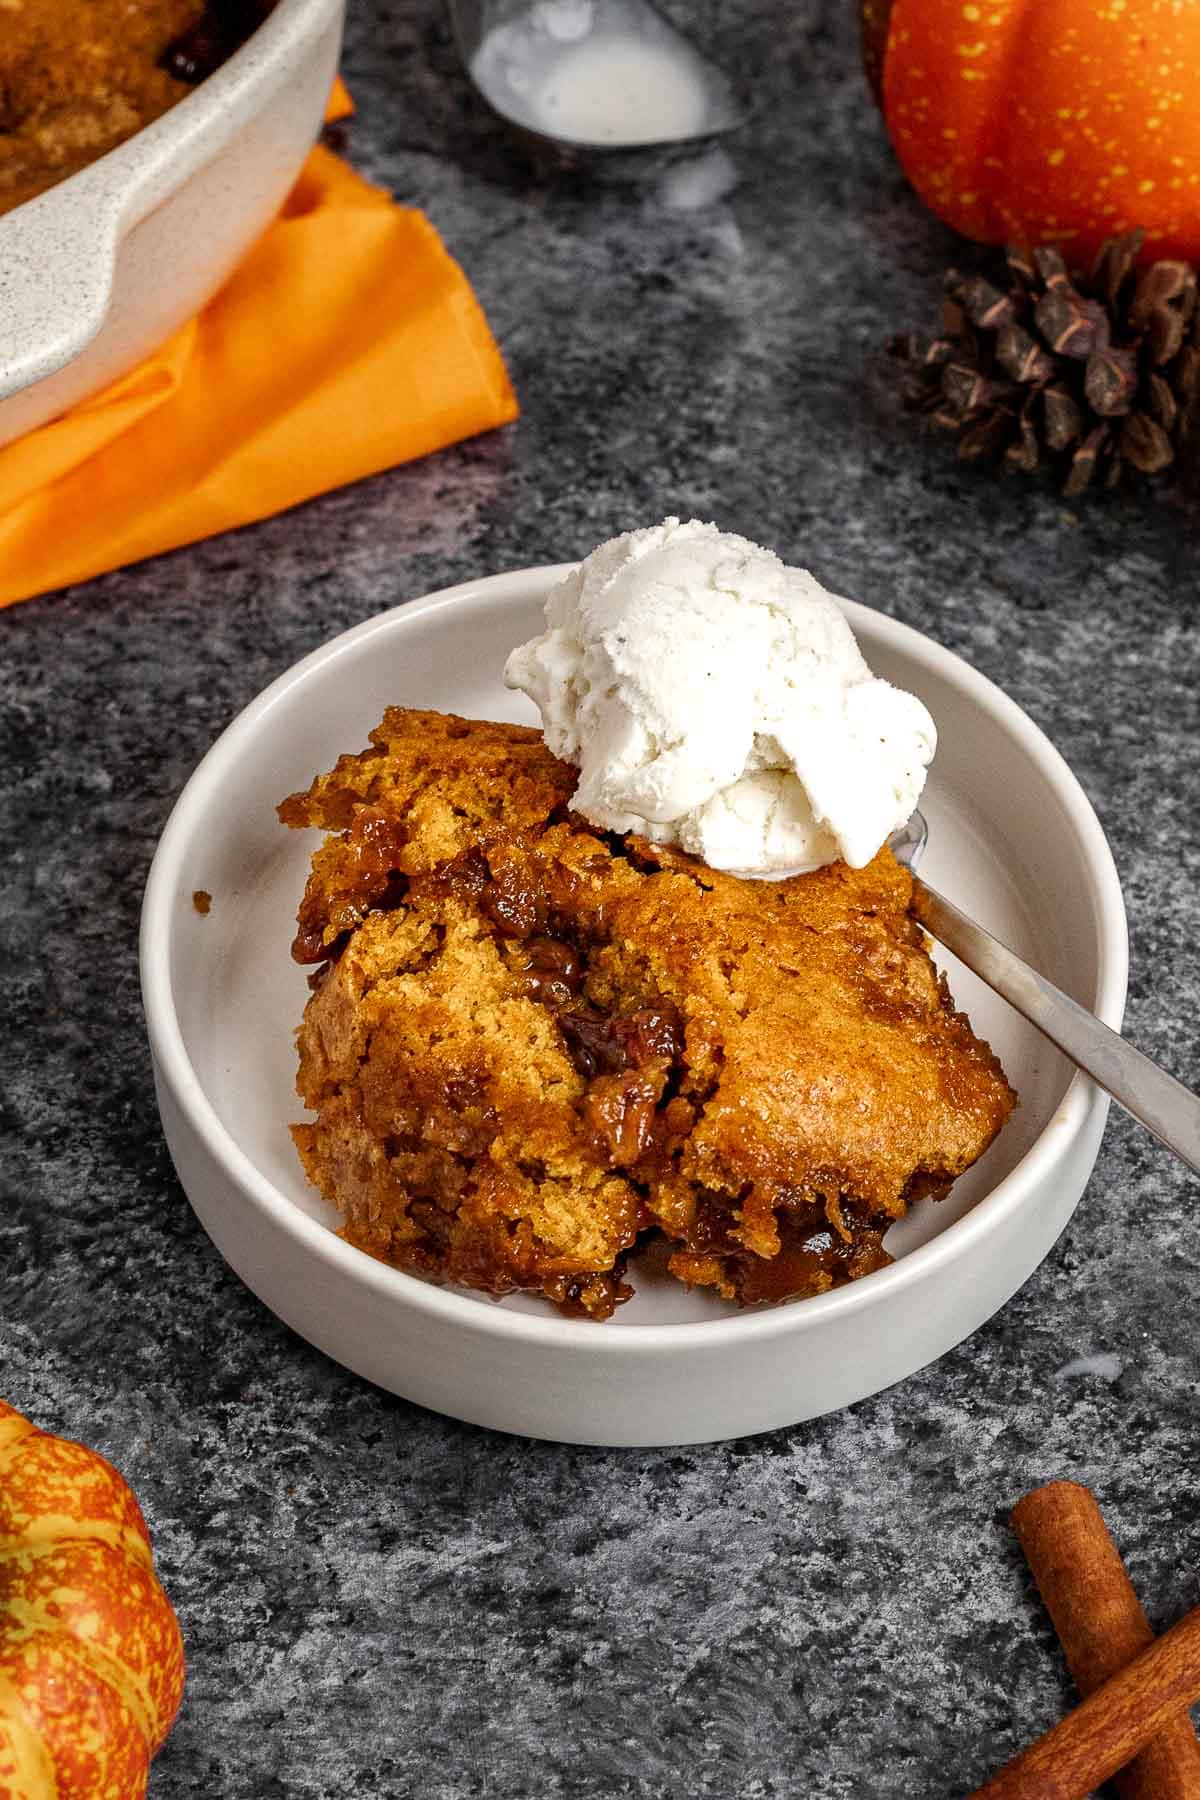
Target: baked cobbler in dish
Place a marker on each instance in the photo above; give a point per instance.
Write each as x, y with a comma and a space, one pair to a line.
78, 77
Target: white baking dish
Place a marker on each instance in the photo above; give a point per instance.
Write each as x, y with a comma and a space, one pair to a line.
96, 272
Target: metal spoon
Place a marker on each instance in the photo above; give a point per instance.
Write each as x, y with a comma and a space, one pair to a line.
592, 74
1154, 1098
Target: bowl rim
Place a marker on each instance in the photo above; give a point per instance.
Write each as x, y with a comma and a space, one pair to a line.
452, 1307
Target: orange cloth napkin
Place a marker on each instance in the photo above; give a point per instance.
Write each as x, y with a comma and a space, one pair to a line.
340, 106
347, 341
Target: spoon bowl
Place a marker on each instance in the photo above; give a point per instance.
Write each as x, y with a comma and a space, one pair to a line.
593, 75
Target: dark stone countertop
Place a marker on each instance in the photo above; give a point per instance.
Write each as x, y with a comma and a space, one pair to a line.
378, 1601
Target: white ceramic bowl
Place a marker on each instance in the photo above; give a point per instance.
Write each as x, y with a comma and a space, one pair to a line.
97, 271
1013, 839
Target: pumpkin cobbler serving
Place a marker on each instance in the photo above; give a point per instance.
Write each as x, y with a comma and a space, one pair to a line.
529, 1043
539, 1039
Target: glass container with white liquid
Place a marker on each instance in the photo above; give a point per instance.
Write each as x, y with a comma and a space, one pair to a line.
606, 74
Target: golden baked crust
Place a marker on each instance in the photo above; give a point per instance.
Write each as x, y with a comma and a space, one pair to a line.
531, 1044
78, 77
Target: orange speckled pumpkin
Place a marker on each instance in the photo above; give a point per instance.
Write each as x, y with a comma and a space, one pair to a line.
91, 1660
1038, 121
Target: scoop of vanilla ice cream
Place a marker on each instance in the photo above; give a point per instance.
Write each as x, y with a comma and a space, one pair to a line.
714, 698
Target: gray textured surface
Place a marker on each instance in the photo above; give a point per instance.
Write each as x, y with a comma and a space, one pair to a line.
380, 1602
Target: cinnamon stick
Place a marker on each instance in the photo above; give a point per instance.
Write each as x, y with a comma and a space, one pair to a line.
1111, 1726
1100, 1624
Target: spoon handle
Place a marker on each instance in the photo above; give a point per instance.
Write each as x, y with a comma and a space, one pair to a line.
1156, 1100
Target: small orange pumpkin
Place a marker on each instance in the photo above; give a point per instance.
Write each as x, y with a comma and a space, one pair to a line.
1039, 121
91, 1659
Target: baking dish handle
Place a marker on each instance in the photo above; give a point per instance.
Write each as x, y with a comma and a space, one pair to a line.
57, 266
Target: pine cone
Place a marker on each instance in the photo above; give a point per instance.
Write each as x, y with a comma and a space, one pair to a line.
1087, 377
